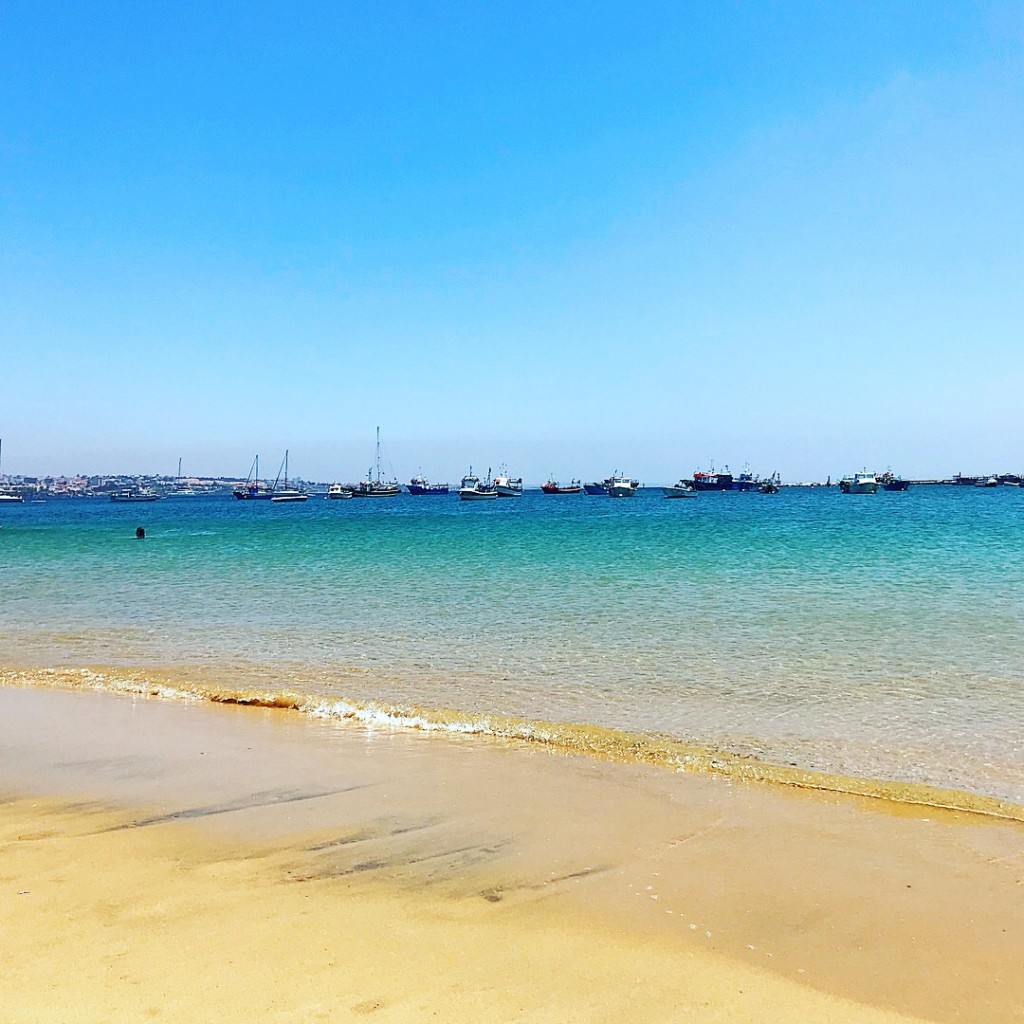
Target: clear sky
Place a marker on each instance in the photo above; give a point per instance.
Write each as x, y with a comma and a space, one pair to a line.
572, 238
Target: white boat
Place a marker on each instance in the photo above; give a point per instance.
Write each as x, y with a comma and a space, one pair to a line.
621, 486
374, 486
134, 494
507, 486
7, 496
472, 489
338, 492
987, 481
682, 489
859, 483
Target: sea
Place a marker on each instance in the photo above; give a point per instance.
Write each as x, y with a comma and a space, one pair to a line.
862, 643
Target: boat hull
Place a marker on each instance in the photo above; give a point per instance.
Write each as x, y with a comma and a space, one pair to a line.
595, 488
469, 494
679, 492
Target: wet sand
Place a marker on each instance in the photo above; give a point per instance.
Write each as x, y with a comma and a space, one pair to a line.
192, 862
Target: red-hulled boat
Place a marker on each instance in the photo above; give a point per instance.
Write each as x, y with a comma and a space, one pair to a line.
553, 487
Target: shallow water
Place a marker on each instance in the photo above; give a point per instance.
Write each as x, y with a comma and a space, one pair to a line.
863, 635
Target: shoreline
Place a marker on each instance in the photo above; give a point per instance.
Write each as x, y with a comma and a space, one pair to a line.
481, 881
600, 742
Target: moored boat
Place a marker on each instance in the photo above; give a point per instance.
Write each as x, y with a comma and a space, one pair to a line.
746, 481
472, 489
860, 483
987, 481
127, 494
554, 487
888, 481
420, 485
338, 492
682, 489
713, 481
8, 496
375, 486
596, 487
770, 484
252, 489
278, 491
506, 486
621, 486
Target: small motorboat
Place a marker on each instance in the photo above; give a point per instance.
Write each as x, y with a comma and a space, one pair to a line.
770, 484
338, 492
682, 489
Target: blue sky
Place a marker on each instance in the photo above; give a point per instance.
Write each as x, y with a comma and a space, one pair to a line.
569, 238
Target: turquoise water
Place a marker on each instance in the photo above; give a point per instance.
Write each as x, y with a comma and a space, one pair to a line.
867, 635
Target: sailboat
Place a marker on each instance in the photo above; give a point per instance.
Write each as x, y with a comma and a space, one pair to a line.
7, 496
374, 486
284, 492
253, 490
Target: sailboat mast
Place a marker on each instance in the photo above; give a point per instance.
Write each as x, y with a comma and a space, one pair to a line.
378, 454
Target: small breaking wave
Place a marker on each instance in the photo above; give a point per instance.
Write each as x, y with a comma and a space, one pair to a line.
607, 744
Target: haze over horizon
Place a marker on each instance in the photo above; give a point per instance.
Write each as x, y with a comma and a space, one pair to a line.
567, 240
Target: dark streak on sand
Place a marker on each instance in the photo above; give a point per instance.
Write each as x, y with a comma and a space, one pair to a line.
265, 799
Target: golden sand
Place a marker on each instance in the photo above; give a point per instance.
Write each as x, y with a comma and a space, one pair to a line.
169, 925
205, 863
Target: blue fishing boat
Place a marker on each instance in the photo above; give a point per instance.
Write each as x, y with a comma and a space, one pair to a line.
420, 485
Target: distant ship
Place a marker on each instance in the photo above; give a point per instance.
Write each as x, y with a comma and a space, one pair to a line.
596, 488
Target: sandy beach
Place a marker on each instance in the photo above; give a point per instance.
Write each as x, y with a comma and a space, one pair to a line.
184, 862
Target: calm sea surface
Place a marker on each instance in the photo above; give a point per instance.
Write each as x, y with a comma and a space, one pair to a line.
866, 635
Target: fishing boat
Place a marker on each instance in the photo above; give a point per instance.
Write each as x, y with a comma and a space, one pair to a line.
621, 486
472, 489
7, 495
770, 484
860, 483
986, 481
890, 482
506, 486
596, 488
128, 494
338, 492
746, 481
713, 481
375, 486
420, 485
682, 489
553, 487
